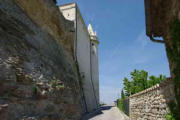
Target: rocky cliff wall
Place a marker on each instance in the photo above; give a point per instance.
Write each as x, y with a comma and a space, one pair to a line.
38, 76
152, 104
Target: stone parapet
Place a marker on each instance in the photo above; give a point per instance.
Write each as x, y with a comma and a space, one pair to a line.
152, 103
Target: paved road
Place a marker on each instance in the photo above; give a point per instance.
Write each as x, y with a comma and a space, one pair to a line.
107, 113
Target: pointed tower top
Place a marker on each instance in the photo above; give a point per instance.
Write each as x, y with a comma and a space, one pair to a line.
93, 34
90, 30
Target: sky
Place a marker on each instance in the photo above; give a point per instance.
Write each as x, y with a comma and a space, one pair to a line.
124, 46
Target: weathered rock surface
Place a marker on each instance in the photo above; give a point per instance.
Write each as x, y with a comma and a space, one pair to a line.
38, 76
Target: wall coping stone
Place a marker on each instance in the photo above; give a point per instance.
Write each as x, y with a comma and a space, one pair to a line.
162, 84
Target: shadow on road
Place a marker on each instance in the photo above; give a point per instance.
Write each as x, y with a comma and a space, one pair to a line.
106, 107
97, 112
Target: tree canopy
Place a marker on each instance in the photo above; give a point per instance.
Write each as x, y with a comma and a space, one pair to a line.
139, 82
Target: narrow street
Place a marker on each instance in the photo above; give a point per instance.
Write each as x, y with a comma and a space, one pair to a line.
107, 113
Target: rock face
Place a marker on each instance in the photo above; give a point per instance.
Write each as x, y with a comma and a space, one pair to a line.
152, 104
38, 76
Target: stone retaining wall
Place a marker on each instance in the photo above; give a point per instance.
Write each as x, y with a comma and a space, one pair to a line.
39, 78
151, 104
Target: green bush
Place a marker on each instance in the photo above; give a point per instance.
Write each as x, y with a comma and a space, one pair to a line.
120, 104
170, 116
60, 87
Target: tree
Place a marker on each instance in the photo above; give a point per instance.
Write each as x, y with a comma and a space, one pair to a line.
127, 86
153, 80
139, 82
122, 94
144, 76
161, 78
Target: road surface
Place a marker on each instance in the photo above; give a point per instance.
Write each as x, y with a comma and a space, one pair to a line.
107, 113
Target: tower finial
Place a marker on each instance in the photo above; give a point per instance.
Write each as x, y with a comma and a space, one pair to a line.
93, 34
90, 30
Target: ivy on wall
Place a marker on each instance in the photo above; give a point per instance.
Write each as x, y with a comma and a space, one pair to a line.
173, 53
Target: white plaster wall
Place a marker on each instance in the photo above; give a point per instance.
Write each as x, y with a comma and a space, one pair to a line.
83, 57
95, 68
69, 11
82, 45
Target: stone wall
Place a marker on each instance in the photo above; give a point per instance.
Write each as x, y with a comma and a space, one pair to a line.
151, 104
38, 76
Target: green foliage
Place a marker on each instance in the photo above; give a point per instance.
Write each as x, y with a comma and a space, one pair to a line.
60, 86
170, 116
173, 53
36, 89
120, 104
53, 83
153, 80
127, 86
139, 82
123, 105
56, 85
122, 94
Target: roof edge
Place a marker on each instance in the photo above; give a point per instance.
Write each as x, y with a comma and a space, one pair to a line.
68, 4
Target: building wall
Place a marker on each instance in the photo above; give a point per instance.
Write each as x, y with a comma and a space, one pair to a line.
95, 68
152, 104
84, 60
82, 48
68, 11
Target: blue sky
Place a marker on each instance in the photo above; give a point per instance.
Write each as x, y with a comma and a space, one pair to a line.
120, 25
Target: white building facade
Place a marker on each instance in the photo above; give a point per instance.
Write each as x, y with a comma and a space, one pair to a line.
86, 54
